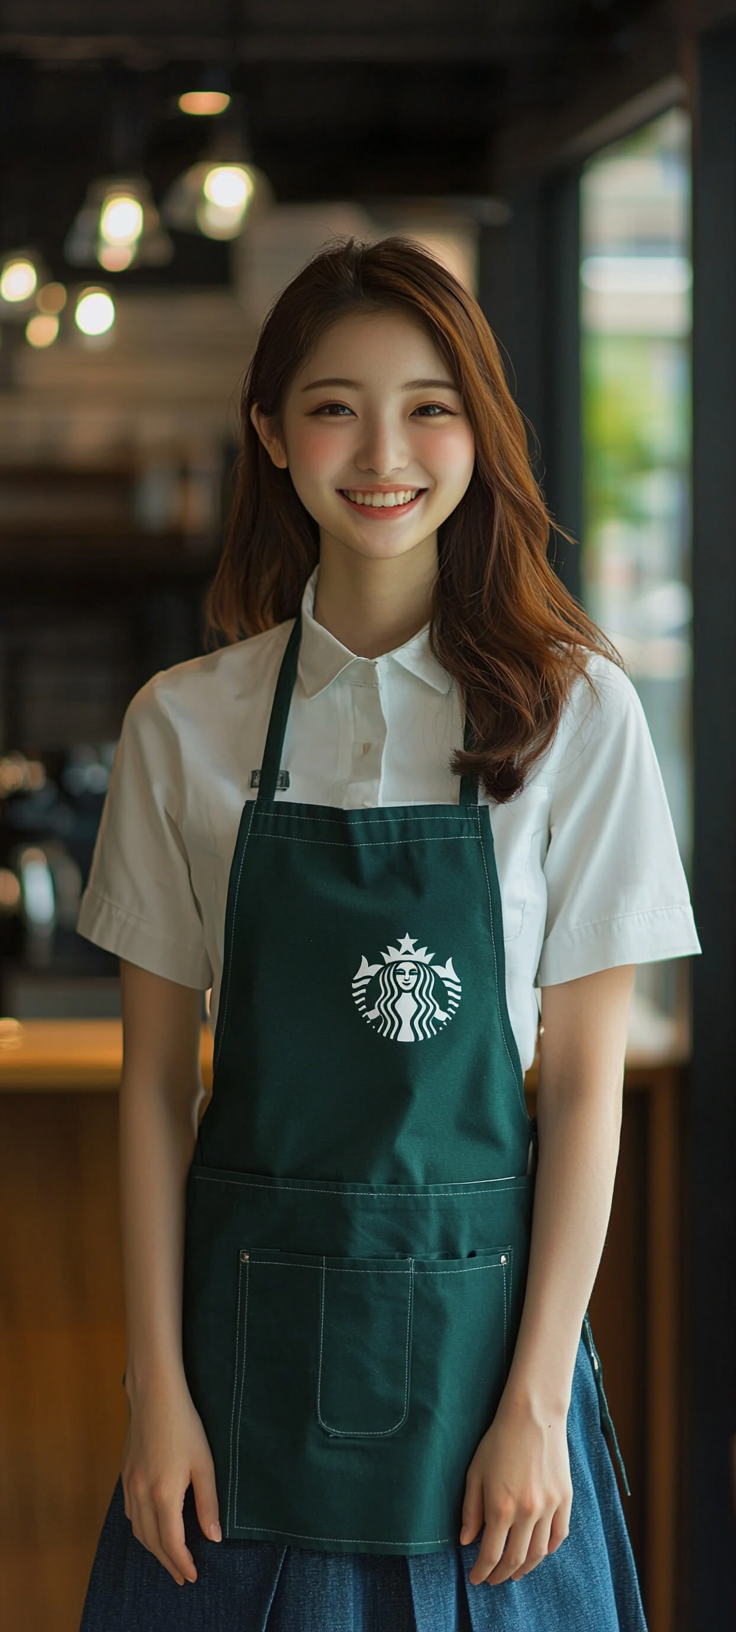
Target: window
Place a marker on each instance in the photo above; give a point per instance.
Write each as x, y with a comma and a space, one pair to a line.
636, 317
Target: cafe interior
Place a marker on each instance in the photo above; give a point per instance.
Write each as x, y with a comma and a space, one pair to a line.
164, 171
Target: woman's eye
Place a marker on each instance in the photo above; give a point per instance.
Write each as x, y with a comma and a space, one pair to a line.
432, 409
333, 410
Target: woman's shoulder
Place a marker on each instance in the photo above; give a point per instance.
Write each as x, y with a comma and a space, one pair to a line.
602, 731
206, 688
602, 699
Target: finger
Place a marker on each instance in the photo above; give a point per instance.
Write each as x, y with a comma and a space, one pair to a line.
205, 1500
146, 1531
494, 1539
560, 1528
514, 1554
472, 1510
538, 1548
170, 1517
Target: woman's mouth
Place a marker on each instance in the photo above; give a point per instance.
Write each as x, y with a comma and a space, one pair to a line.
385, 504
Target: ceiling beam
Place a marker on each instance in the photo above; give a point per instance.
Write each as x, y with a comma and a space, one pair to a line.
640, 82
481, 46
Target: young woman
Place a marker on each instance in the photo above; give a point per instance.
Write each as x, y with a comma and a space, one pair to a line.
419, 790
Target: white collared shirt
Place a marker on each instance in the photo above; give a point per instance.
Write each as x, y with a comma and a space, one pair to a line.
588, 865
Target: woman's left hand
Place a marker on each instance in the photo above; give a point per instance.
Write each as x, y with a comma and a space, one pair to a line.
519, 1484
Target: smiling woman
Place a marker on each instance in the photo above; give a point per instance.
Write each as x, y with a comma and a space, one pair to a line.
354, 395
354, 1304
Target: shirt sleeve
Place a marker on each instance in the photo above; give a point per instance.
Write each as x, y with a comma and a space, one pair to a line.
139, 902
616, 888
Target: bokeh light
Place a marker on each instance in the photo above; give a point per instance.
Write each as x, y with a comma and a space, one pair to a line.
95, 312
42, 329
204, 103
18, 280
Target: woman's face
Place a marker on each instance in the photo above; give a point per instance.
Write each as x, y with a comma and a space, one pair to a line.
406, 975
375, 435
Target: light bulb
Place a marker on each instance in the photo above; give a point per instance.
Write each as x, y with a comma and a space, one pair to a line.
95, 312
18, 280
228, 185
42, 329
121, 220
204, 102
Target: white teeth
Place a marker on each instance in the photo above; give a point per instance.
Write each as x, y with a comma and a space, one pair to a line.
382, 501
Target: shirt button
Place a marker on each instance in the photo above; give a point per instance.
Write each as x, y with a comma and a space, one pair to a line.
366, 748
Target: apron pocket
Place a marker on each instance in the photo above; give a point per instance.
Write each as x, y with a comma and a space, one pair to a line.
364, 1346
461, 1334
323, 1337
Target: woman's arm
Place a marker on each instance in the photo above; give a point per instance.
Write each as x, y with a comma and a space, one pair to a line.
160, 1092
519, 1479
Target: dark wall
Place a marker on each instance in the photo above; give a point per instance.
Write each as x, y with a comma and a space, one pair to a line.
529, 291
711, 1132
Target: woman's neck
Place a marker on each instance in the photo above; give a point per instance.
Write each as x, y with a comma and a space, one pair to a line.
374, 605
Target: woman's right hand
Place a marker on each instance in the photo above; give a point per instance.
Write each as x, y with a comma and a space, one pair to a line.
166, 1450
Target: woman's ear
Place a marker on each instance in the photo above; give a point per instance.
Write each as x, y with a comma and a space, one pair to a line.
266, 428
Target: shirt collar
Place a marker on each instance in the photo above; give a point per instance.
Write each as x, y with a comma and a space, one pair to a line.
322, 658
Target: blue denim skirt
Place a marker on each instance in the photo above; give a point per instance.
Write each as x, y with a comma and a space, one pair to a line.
260, 1586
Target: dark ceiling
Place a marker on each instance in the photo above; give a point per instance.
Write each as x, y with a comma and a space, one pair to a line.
359, 99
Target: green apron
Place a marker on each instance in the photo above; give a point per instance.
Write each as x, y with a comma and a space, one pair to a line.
359, 1206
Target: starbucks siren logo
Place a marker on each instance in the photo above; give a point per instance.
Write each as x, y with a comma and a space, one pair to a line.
403, 1001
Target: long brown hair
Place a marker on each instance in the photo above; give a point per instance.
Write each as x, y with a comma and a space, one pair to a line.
502, 624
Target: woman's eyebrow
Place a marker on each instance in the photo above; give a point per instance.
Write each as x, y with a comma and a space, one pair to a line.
411, 385
423, 385
315, 385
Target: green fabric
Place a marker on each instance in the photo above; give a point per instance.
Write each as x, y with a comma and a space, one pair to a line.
359, 1207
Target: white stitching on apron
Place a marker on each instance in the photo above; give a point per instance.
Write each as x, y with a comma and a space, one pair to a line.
242, 1390
368, 844
235, 1390
520, 1183
232, 935
519, 1090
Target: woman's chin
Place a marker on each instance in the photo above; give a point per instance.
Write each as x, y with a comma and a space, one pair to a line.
387, 543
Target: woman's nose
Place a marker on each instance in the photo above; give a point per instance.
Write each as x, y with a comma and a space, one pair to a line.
383, 451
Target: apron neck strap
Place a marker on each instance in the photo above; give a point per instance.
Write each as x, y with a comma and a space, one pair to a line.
279, 717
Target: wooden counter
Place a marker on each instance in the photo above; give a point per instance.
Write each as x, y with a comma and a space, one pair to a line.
62, 1056
62, 1407
83, 1056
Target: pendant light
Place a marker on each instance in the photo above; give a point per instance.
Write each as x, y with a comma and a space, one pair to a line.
27, 296
118, 226
215, 195
204, 104
22, 274
209, 97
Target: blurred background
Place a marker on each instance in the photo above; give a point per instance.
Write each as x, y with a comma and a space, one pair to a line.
163, 173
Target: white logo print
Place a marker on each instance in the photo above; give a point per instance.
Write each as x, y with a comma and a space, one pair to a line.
404, 1006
